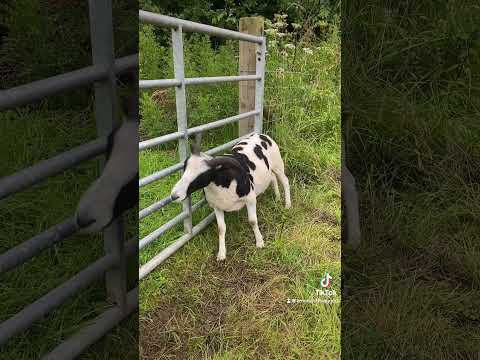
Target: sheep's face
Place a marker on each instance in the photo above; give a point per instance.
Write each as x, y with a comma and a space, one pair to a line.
195, 173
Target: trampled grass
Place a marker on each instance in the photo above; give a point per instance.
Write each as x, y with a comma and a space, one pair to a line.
197, 308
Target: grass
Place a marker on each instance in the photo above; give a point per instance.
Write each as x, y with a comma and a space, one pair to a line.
24, 214
411, 88
197, 308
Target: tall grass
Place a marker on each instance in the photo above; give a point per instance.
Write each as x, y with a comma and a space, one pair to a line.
410, 86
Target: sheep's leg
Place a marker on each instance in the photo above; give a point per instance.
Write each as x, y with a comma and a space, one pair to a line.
275, 186
350, 199
252, 219
286, 187
222, 250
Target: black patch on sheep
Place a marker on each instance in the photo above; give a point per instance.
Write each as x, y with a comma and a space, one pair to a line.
242, 143
264, 144
127, 197
259, 152
266, 139
246, 163
224, 170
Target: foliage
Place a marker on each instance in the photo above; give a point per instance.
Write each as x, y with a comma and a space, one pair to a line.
316, 15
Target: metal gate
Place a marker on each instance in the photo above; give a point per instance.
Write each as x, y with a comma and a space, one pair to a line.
113, 264
179, 26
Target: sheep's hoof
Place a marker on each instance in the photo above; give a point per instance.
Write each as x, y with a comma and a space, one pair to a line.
221, 257
260, 244
288, 206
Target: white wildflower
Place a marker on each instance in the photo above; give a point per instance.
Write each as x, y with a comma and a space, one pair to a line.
289, 46
308, 51
284, 53
279, 73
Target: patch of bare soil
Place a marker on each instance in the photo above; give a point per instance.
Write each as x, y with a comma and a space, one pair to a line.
320, 216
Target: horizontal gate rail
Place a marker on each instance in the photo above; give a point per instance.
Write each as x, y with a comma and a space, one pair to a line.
165, 83
28, 249
160, 140
30, 176
154, 207
73, 346
164, 254
170, 170
36, 310
189, 26
167, 226
194, 130
40, 89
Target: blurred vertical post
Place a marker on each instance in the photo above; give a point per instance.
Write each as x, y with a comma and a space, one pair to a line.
181, 106
248, 66
101, 34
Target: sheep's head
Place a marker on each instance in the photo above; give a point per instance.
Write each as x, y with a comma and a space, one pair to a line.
195, 170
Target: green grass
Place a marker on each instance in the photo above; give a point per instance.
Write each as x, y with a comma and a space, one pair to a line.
197, 308
31, 211
411, 88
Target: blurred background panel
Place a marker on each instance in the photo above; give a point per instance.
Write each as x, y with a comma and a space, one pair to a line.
41, 39
410, 100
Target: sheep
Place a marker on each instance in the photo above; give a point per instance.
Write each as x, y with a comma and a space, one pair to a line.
116, 190
233, 181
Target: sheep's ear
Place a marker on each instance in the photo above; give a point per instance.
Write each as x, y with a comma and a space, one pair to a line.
195, 148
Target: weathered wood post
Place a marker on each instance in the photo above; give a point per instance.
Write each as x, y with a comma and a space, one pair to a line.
247, 64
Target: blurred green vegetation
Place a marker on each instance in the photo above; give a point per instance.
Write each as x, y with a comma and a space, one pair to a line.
39, 39
410, 93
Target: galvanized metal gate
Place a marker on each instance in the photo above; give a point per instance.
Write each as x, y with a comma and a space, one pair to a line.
179, 26
113, 264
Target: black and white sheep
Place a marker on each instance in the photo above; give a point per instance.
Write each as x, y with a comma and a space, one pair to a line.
233, 181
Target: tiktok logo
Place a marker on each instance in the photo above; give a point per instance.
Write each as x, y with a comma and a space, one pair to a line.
326, 280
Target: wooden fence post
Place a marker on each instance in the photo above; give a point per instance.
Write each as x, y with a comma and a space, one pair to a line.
247, 63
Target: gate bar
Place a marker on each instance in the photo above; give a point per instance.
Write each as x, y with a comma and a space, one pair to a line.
172, 248
168, 225
24, 319
164, 83
74, 346
154, 207
190, 26
194, 130
37, 90
106, 118
64, 161
181, 104
259, 86
29, 248
159, 140
149, 84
